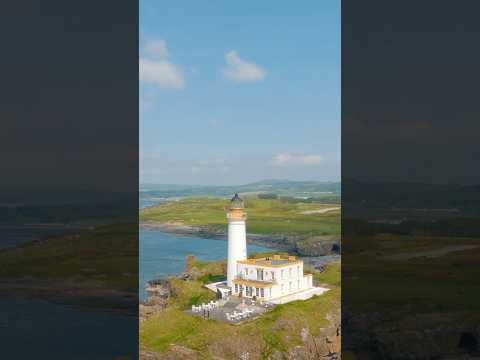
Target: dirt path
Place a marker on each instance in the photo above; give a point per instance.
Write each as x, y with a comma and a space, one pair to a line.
431, 253
320, 211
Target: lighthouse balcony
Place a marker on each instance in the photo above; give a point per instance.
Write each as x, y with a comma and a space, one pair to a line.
253, 282
243, 279
234, 215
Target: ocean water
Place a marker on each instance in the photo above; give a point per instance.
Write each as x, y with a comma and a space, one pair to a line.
163, 254
37, 329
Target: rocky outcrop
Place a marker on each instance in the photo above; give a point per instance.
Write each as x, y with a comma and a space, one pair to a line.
326, 345
159, 292
317, 246
421, 336
190, 261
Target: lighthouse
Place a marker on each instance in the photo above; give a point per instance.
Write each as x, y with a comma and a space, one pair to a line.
237, 236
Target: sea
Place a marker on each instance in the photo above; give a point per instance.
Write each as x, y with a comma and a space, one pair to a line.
37, 329
163, 254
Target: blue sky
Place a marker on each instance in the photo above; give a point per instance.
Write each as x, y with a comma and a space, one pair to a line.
235, 92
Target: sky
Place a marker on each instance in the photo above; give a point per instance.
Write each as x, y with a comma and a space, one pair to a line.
237, 92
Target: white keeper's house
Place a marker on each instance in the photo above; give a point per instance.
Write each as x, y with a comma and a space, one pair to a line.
274, 279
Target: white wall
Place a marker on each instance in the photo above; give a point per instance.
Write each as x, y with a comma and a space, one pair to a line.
291, 274
237, 247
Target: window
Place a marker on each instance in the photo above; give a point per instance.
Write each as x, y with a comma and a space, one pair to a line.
241, 288
257, 291
246, 272
298, 284
281, 274
290, 273
282, 288
236, 288
290, 286
273, 275
259, 274
298, 271
262, 292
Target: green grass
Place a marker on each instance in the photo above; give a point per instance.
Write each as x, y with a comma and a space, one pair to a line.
265, 216
188, 293
442, 284
209, 278
331, 275
276, 330
107, 255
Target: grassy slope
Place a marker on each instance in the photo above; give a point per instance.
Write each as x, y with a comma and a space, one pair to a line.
264, 216
446, 283
279, 329
107, 255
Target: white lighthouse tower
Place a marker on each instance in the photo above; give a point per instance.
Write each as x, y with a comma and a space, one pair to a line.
237, 236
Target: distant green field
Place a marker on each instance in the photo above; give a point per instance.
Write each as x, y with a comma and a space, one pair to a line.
279, 329
107, 255
265, 216
314, 191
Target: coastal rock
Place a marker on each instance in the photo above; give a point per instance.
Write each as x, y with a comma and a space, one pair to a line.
160, 287
190, 261
158, 293
326, 345
421, 336
317, 246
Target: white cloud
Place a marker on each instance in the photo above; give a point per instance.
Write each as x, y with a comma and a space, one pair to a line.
287, 159
156, 48
161, 73
240, 70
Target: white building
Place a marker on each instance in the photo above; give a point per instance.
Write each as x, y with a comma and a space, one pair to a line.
275, 279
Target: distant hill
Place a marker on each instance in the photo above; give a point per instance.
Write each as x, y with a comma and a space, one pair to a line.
300, 189
464, 199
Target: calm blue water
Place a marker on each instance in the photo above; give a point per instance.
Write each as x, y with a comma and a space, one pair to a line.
34, 329
164, 254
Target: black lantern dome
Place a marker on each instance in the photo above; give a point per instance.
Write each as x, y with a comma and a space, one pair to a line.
237, 202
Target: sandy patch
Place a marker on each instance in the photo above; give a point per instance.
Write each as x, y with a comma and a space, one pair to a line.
431, 253
320, 211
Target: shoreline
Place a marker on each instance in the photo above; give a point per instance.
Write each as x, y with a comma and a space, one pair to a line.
274, 241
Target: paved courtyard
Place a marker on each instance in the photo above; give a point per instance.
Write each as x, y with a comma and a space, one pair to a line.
228, 308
